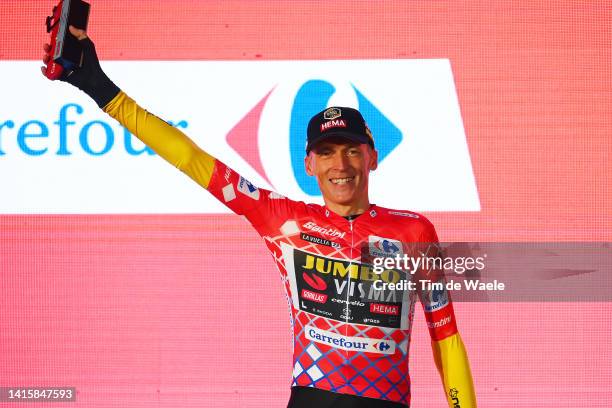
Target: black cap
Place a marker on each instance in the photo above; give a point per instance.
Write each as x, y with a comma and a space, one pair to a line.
338, 121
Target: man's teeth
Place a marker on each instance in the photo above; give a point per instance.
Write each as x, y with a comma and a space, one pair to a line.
342, 180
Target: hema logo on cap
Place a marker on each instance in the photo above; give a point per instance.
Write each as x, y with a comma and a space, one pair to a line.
333, 124
336, 340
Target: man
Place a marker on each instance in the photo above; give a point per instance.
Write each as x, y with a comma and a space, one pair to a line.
350, 338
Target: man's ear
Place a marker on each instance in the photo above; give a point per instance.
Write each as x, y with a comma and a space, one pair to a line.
373, 159
309, 165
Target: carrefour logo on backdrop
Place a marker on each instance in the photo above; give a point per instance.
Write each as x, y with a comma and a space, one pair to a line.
256, 123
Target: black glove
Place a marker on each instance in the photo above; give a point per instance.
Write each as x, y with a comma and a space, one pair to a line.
90, 78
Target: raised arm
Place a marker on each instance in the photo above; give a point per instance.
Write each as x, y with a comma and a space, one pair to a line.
166, 140
237, 193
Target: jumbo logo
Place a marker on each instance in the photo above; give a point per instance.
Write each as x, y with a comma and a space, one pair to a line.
342, 269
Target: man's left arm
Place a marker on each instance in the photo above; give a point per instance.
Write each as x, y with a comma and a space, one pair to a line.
454, 368
449, 351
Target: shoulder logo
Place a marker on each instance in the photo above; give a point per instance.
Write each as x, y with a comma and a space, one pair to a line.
436, 299
248, 189
404, 214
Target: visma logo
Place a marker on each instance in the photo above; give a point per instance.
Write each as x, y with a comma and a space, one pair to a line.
312, 97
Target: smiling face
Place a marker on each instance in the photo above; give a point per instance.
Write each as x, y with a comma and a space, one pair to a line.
342, 170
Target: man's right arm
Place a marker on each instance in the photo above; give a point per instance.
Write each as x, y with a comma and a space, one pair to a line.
237, 193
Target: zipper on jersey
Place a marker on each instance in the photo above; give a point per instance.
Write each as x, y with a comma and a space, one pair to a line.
347, 321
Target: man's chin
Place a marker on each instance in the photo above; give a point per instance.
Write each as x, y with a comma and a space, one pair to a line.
341, 199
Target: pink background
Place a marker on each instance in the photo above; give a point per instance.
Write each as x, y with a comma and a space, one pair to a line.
158, 310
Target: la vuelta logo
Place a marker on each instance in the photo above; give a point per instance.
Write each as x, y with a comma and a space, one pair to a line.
312, 97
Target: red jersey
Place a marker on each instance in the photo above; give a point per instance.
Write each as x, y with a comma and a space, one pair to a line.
350, 336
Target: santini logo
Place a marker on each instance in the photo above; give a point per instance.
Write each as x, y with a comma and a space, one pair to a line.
325, 231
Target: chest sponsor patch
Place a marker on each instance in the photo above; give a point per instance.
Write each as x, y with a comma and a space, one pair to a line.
379, 346
384, 247
345, 291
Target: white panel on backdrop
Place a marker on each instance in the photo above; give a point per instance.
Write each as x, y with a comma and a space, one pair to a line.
60, 154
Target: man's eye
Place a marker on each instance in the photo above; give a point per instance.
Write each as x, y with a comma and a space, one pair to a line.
353, 152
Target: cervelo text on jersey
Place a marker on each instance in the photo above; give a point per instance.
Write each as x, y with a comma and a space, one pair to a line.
341, 321
411, 107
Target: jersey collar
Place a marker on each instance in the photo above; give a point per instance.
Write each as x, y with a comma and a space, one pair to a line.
372, 212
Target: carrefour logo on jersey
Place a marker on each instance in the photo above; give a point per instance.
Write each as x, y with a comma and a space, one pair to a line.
384, 247
363, 344
71, 157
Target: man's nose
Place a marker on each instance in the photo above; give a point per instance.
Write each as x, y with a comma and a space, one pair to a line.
340, 161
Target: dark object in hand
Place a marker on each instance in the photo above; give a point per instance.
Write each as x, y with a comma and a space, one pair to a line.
66, 51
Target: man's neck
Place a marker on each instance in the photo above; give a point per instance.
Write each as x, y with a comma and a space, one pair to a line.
349, 209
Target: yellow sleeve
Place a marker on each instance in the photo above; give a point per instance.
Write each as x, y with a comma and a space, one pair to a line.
167, 141
452, 363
